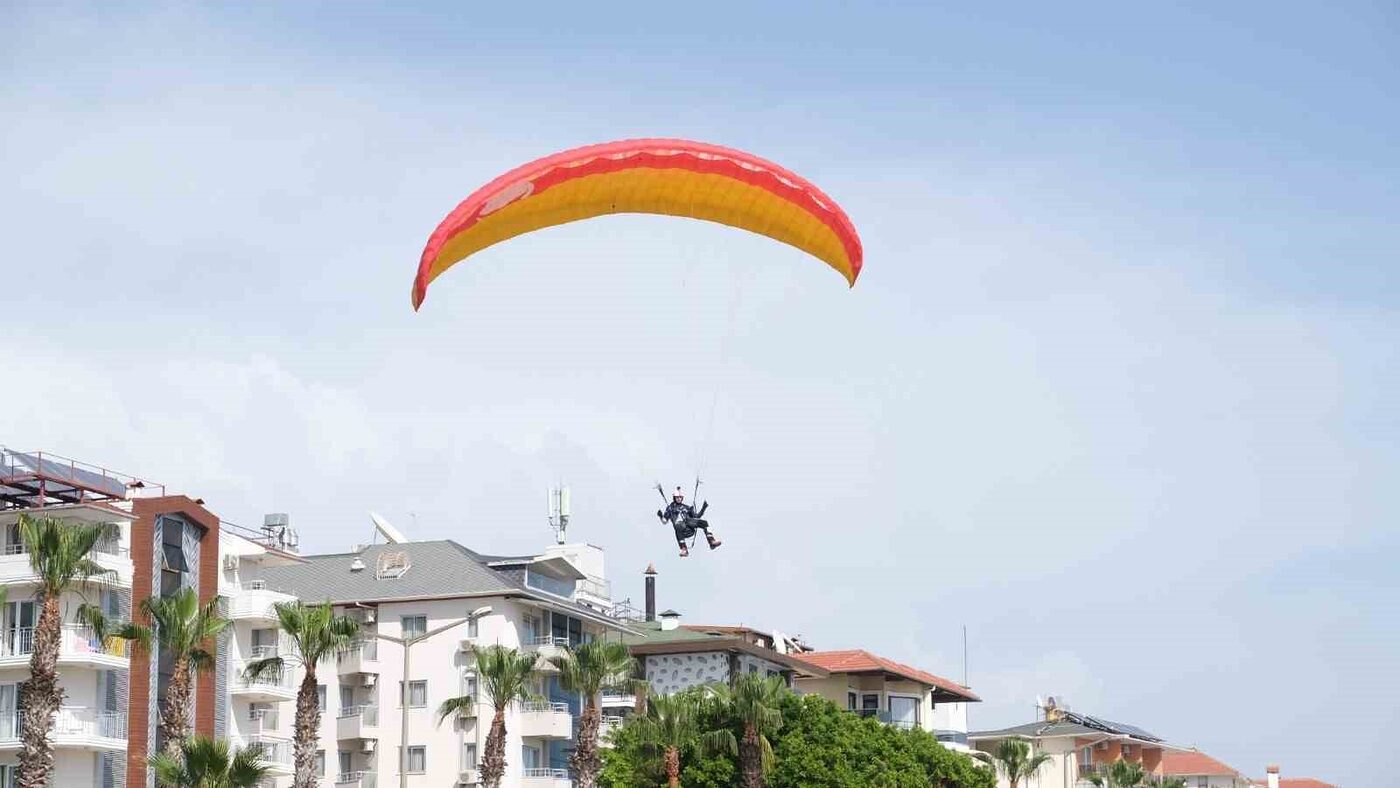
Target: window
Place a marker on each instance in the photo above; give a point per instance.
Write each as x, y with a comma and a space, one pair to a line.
9, 775
530, 757
469, 684
1202, 782
417, 759
413, 626
753, 668
904, 712
1086, 756
417, 694
468, 755
345, 767
1127, 750
347, 697
320, 763
850, 701
321, 701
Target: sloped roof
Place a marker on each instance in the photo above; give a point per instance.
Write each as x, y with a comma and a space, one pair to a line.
647, 637
861, 661
439, 569
1301, 782
1182, 763
1070, 724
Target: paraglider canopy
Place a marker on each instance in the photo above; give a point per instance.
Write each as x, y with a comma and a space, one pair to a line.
657, 176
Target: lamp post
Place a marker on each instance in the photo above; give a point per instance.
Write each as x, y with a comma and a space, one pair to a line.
408, 644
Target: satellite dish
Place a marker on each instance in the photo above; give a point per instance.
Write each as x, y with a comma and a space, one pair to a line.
391, 534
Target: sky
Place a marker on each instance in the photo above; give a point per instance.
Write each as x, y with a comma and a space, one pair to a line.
1116, 390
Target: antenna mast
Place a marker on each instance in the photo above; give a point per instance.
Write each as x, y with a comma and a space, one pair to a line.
559, 511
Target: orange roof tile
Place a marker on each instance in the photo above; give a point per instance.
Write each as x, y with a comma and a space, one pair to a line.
1303, 782
862, 661
1192, 762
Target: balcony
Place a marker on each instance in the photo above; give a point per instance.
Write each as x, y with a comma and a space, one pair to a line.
77, 646
363, 658
265, 689
75, 727
357, 722
886, 717
276, 753
546, 720
251, 603
613, 699
356, 780
609, 724
547, 646
111, 556
544, 778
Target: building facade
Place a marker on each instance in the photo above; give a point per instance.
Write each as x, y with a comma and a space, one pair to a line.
458, 599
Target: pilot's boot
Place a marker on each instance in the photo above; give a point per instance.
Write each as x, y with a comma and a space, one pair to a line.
685, 551
713, 541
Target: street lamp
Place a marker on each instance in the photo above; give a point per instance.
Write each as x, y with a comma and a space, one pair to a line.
408, 644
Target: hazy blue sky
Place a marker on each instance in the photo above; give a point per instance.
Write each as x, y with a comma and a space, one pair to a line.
1117, 389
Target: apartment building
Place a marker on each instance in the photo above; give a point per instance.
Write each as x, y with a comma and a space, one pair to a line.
444, 598
155, 544
892, 692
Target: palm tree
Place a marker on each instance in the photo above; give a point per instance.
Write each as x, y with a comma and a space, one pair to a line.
753, 701
587, 669
315, 633
506, 676
183, 628
671, 727
200, 762
1014, 760
1121, 774
60, 555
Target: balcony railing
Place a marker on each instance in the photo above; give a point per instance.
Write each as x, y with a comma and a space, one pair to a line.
543, 706
618, 696
276, 681
885, 717
595, 586
275, 751
366, 650
74, 640
109, 548
369, 715
262, 652
547, 641
550, 774
361, 779
71, 722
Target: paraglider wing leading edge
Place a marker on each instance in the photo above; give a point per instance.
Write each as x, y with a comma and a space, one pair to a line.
670, 177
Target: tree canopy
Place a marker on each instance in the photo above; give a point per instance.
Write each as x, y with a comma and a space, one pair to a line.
818, 745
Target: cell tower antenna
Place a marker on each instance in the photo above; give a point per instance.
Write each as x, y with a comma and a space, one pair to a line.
559, 512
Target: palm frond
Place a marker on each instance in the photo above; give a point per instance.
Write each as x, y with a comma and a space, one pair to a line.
271, 667
452, 706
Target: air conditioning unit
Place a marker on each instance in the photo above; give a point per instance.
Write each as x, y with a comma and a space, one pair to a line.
366, 745
368, 680
1103, 745
231, 563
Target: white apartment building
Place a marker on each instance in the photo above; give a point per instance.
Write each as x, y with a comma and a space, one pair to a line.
540, 603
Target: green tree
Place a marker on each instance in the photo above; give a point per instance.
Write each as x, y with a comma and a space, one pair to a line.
1169, 782
754, 702
184, 629
1121, 774
506, 676
1014, 760
671, 728
200, 762
60, 554
315, 633
587, 669
818, 746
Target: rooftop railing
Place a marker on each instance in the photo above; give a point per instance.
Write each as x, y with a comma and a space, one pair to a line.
543, 706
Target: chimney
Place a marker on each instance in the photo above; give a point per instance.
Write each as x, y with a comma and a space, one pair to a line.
1273, 776
670, 620
651, 592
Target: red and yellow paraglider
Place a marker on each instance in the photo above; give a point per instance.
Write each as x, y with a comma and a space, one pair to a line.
656, 176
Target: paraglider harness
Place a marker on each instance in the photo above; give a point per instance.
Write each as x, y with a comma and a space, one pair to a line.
685, 520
